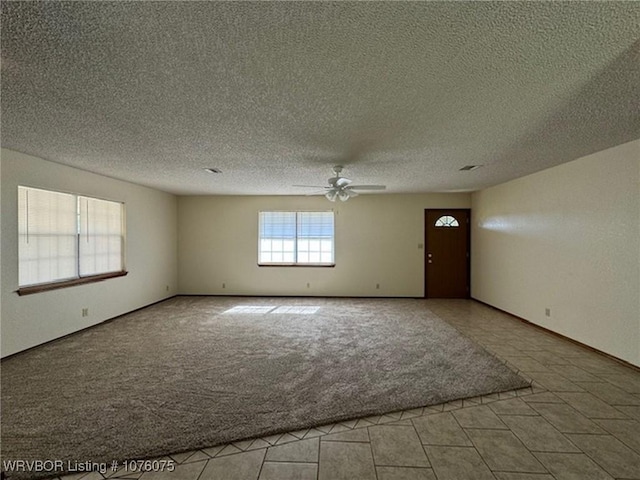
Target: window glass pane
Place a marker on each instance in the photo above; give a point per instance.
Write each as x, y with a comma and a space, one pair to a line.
295, 237
303, 245
277, 225
47, 232
315, 225
289, 246
326, 257
447, 221
265, 256
315, 234
277, 231
63, 236
101, 234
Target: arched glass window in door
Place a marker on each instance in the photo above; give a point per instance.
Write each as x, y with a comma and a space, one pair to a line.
447, 221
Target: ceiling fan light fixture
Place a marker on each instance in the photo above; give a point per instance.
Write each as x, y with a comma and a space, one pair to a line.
331, 195
213, 170
341, 188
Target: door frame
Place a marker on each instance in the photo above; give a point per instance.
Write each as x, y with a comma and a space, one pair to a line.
426, 247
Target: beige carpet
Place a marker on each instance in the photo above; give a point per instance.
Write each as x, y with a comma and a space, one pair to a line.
183, 374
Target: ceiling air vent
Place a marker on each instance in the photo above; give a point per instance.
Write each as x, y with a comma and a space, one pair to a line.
468, 168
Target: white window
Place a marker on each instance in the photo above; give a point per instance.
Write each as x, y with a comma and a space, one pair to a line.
296, 238
64, 237
48, 236
101, 239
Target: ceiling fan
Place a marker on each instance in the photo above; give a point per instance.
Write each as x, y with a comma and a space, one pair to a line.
340, 187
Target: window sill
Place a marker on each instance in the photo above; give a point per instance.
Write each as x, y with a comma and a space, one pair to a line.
45, 287
312, 265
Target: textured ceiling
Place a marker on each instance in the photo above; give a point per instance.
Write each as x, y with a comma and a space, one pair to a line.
275, 93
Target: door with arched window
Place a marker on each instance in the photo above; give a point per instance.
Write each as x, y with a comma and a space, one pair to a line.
447, 253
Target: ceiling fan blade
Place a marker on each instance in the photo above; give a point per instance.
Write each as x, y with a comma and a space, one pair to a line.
318, 192
351, 192
342, 182
367, 187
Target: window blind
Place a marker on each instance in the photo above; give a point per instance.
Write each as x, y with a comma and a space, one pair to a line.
100, 240
47, 236
277, 237
64, 236
315, 237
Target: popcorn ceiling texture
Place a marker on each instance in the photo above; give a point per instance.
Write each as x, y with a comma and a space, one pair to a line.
275, 93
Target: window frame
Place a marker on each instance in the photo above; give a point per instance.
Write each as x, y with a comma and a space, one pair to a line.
448, 221
297, 263
79, 279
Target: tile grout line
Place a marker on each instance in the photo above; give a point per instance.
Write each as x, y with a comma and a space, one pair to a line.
475, 448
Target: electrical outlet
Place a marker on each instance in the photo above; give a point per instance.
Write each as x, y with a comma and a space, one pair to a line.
85, 312
167, 288
224, 285
547, 312
308, 285
377, 286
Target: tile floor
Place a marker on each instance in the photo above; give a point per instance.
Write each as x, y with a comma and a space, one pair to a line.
579, 420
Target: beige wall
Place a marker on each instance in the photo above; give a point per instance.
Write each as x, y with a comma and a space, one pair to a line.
568, 239
151, 255
377, 238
